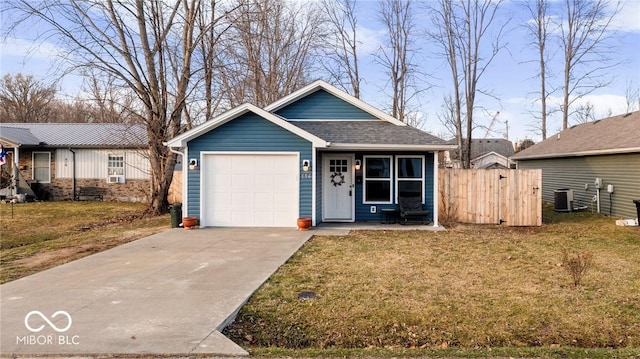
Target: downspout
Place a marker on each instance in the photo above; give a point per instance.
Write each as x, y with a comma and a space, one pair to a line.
436, 190
73, 174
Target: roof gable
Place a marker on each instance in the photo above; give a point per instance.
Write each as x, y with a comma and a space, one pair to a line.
90, 135
321, 85
182, 139
617, 134
321, 105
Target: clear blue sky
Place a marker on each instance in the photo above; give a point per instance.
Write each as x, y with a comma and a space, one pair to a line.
510, 78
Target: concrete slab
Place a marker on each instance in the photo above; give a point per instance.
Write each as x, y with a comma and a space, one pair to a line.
167, 294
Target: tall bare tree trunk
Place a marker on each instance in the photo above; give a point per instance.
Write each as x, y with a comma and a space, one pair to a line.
586, 46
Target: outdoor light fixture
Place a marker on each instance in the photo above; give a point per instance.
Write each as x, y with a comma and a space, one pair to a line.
357, 165
193, 164
305, 165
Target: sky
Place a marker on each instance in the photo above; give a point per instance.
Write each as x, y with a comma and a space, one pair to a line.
510, 79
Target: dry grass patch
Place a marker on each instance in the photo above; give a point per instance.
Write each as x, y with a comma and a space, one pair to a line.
38, 236
470, 287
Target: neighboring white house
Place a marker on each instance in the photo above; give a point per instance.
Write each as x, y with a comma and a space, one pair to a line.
60, 160
485, 153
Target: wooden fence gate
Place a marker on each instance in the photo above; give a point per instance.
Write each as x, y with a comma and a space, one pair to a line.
491, 196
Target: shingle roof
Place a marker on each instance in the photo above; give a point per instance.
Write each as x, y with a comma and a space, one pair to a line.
75, 134
617, 134
482, 146
375, 132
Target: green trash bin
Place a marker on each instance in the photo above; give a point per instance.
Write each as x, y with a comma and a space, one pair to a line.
176, 214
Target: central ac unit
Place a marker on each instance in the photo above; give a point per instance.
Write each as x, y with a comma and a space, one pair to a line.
563, 200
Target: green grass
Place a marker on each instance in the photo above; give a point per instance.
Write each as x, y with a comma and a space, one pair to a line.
37, 236
469, 290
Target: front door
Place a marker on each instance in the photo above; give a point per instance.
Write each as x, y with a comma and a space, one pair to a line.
338, 188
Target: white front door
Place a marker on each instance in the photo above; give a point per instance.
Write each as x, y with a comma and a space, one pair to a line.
338, 188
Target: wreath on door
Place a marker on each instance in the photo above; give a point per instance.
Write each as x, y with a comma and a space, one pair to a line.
337, 179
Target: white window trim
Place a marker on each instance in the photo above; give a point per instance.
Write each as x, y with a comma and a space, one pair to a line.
121, 178
33, 167
421, 180
364, 179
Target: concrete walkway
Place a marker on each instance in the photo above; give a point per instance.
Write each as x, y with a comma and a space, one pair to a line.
166, 294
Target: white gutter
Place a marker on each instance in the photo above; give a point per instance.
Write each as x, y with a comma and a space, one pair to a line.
387, 147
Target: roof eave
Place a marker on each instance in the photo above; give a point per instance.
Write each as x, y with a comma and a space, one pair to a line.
373, 146
612, 151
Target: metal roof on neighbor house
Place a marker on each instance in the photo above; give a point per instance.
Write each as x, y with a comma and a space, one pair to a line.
376, 132
617, 134
91, 135
18, 136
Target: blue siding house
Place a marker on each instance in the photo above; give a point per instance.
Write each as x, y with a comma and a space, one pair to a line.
318, 153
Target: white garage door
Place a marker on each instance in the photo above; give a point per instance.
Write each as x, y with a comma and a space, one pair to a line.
250, 190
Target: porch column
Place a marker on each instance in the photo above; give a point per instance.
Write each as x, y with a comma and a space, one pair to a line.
436, 192
16, 163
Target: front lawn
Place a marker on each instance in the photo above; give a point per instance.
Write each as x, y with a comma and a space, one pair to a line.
472, 289
41, 235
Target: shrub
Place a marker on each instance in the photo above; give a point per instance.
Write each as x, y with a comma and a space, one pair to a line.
577, 264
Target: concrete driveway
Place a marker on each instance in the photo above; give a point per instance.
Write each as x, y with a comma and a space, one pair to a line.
166, 294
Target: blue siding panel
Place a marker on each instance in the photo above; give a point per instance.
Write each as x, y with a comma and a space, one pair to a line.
363, 211
248, 133
322, 105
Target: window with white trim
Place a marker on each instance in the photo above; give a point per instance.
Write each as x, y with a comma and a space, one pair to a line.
115, 169
41, 167
410, 176
377, 179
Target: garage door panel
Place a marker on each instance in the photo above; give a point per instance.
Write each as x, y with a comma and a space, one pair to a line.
263, 201
250, 190
263, 218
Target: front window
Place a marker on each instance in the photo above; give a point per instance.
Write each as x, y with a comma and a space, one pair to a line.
115, 168
410, 176
42, 167
377, 179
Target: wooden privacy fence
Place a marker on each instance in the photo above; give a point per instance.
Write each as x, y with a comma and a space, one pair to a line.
491, 196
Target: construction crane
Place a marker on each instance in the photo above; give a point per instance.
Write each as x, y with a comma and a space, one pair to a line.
493, 121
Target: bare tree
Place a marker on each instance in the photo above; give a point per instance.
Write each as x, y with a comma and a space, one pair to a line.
585, 113
213, 24
343, 44
539, 31
25, 99
632, 97
585, 42
271, 50
396, 56
460, 29
147, 45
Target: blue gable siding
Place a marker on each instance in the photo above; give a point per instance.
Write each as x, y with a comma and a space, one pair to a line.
248, 133
322, 105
